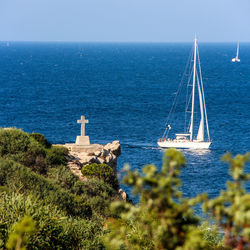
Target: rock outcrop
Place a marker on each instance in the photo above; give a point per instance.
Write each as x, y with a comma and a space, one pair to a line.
94, 153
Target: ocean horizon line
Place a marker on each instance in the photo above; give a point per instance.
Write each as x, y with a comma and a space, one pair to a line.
123, 42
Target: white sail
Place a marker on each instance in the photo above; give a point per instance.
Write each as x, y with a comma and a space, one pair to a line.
236, 59
203, 98
200, 135
193, 92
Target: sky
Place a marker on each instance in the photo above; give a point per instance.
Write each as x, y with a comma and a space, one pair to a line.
125, 20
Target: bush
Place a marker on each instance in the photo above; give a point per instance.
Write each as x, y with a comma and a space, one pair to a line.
101, 171
59, 205
31, 150
17, 177
56, 156
98, 194
62, 176
231, 209
212, 235
41, 139
18, 239
53, 228
34, 157
13, 141
163, 219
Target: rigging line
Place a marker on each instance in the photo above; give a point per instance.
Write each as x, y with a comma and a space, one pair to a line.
188, 103
188, 96
199, 90
204, 103
189, 79
177, 94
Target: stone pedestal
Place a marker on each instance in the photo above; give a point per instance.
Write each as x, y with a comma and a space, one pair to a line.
82, 140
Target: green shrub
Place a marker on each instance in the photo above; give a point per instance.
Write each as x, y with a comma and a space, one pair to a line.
41, 139
53, 228
18, 239
231, 209
163, 219
212, 235
4, 189
13, 141
98, 194
34, 157
18, 177
56, 156
92, 187
62, 176
31, 150
101, 171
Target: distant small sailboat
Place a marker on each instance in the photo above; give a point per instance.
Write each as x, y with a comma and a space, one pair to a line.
188, 138
236, 59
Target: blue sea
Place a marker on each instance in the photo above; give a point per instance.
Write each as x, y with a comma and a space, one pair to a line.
126, 92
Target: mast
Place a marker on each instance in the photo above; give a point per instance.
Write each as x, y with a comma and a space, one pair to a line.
193, 93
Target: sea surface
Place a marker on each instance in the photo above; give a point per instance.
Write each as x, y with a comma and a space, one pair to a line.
126, 92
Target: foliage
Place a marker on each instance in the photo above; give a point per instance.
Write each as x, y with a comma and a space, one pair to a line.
212, 235
56, 156
31, 150
34, 158
18, 239
41, 139
53, 228
13, 141
61, 175
44, 206
163, 219
99, 196
17, 177
101, 171
96, 192
231, 209
36, 182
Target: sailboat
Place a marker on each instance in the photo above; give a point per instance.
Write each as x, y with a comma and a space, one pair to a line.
188, 139
236, 59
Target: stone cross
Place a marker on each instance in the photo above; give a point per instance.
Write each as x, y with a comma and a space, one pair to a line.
82, 121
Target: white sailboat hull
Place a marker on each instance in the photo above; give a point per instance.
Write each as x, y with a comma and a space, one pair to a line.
235, 60
184, 144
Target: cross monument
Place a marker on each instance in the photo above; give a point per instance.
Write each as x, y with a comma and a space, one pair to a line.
82, 139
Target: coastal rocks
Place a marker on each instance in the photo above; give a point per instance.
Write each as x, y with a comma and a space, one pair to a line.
80, 156
95, 153
113, 147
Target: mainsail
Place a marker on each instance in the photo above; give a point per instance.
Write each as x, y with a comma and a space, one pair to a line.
237, 53
200, 135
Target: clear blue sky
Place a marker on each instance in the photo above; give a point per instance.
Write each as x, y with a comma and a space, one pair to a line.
125, 20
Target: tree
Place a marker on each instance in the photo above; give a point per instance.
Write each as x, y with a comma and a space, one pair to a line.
163, 219
231, 209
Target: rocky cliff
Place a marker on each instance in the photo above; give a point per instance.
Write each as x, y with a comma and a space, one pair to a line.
94, 153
